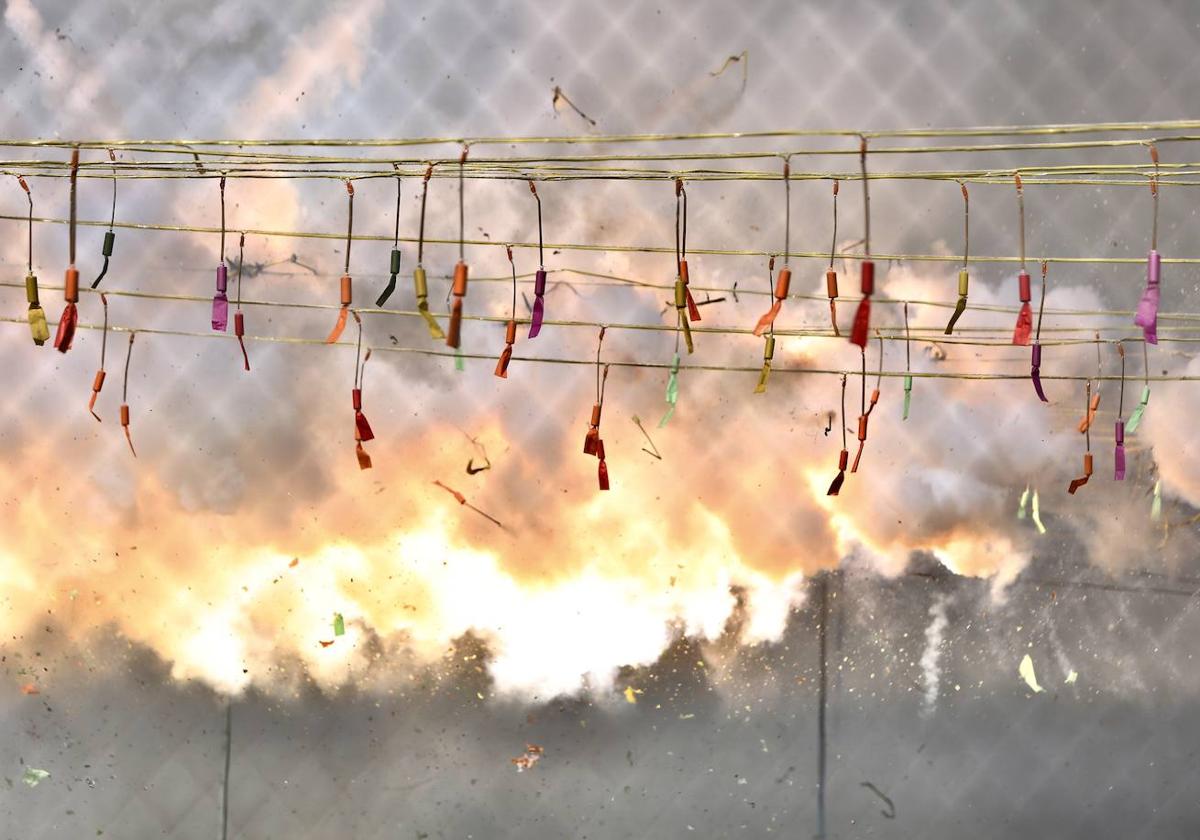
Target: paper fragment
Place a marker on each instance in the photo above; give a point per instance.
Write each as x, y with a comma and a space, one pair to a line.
339, 625
532, 755
1026, 672
1071, 677
1037, 514
33, 776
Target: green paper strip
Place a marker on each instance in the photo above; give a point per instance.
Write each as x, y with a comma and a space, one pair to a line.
1136, 417
339, 625
1037, 514
672, 392
1156, 505
34, 776
1024, 501
907, 395
458, 360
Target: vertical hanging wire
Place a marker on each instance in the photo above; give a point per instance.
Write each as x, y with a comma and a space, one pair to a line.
862, 160
833, 242
421, 229
109, 236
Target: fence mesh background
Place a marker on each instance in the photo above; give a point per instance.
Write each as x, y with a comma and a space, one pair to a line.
135, 754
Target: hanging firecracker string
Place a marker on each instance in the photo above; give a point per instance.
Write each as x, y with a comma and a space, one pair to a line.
964, 277
362, 429
1146, 316
38, 327
602, 469
867, 409
908, 380
220, 303
1035, 364
784, 280
125, 394
862, 316
98, 380
681, 248
835, 486
420, 284
539, 279
769, 343
1135, 418
831, 286
110, 236
459, 289
346, 283
65, 335
1076, 483
239, 322
510, 328
395, 263
1094, 402
592, 442
1025, 315
1119, 432
682, 295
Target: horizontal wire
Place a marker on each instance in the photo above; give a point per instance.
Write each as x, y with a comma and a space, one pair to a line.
634, 249
1137, 174
889, 333
600, 139
632, 283
449, 354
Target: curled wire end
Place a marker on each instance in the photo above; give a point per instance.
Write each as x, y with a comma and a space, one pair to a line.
387, 291
338, 327
502, 362
239, 329
1076, 483
65, 336
768, 319
764, 374
687, 333
364, 459
454, 333
862, 321
1035, 372
125, 426
435, 329
1135, 419
1086, 422
100, 276
1119, 452
959, 309
38, 328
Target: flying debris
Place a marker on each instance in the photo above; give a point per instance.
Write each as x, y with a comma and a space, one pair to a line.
33, 776
742, 58
462, 500
1026, 672
531, 756
890, 813
560, 101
